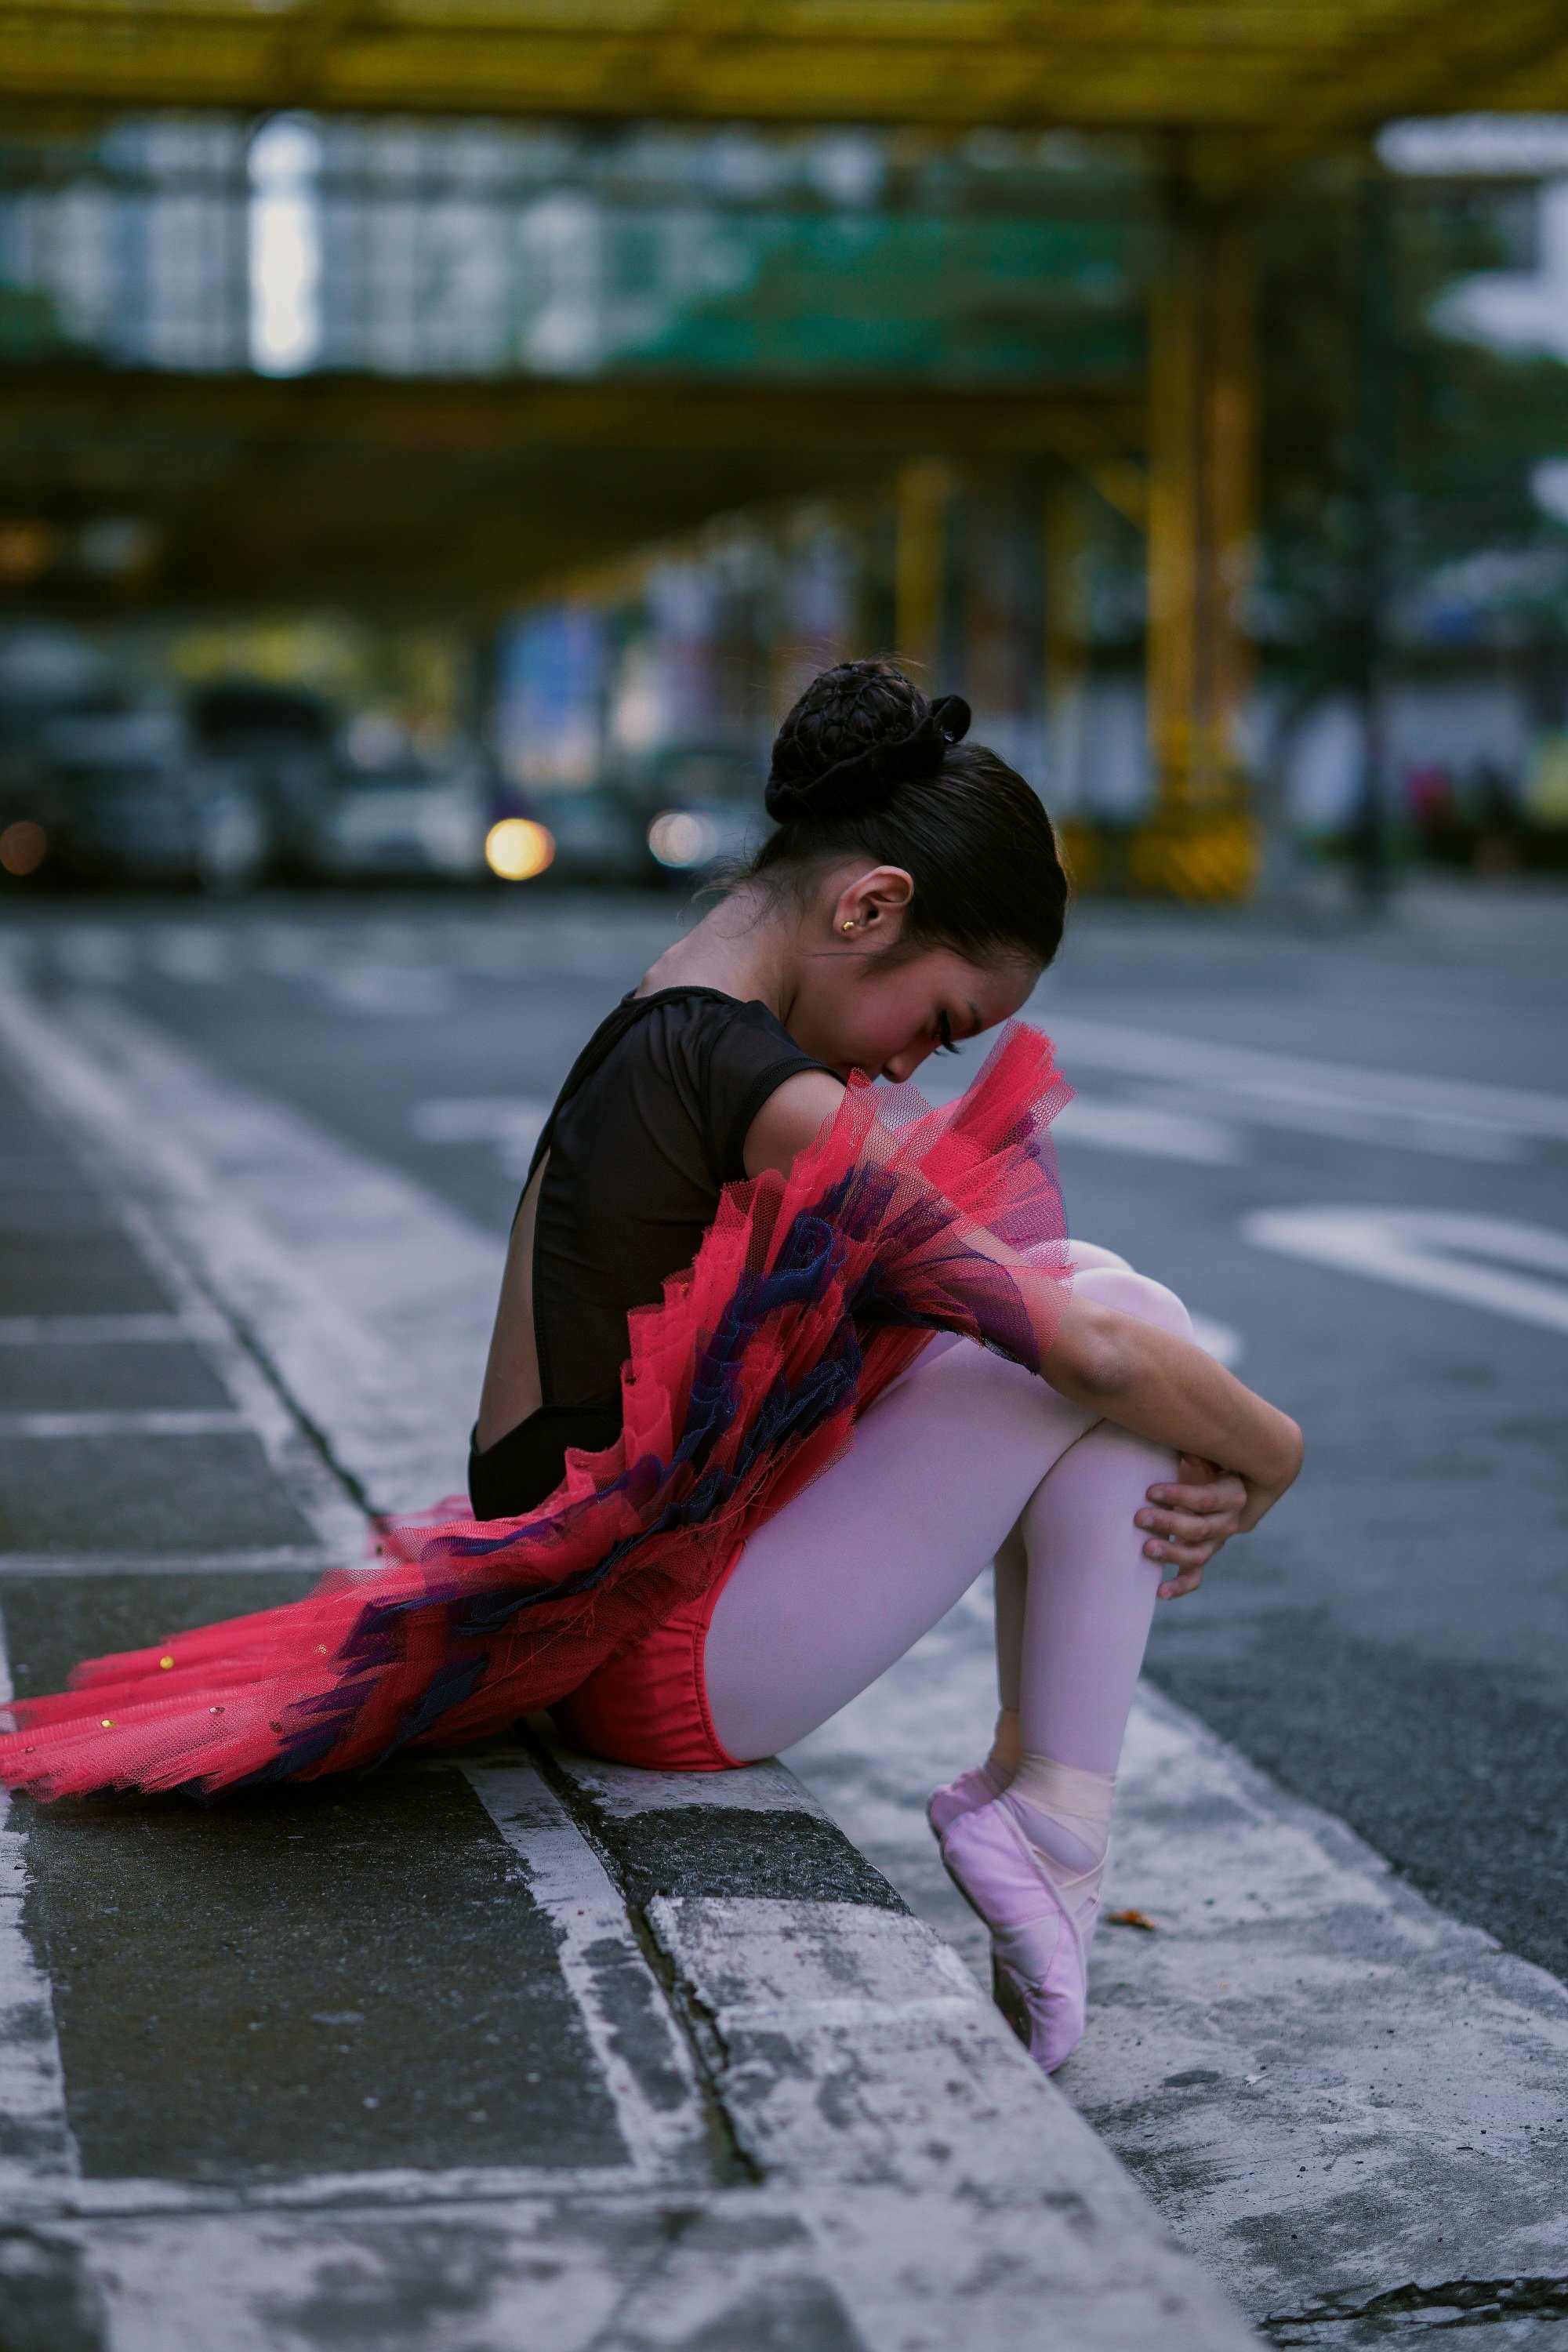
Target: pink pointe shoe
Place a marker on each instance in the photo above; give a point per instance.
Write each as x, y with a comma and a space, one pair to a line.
1039, 1949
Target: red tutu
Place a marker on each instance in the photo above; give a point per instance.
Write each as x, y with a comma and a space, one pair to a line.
809, 1294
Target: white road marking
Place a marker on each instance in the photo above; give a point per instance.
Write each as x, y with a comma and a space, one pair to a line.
1314, 1110
94, 955
1198, 1100
99, 1330
389, 992
197, 952
1446, 1252
34, 2135
287, 951
117, 1121
368, 1301
291, 1451
616, 1992
1158, 1134
1284, 1078
511, 1123
170, 1563
171, 1424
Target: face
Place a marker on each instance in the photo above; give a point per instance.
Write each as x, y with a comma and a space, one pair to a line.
855, 1009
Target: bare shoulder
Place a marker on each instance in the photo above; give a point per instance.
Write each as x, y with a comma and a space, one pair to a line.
792, 1117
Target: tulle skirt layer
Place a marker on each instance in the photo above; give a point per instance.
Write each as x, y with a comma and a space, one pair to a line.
808, 1294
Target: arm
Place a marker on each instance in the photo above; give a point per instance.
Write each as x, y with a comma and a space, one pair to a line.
1130, 1372
1166, 1388
792, 1115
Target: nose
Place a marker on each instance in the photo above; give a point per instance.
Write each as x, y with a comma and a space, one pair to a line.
900, 1066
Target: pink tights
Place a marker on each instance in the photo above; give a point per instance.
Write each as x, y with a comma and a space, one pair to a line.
967, 1458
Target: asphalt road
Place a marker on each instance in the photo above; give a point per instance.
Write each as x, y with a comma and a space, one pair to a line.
1391, 1646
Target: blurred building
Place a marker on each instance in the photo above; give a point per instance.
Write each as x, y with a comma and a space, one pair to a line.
1224, 478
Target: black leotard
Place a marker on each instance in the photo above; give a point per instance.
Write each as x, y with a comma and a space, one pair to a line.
649, 1125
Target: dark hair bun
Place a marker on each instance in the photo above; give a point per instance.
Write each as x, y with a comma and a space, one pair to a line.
858, 732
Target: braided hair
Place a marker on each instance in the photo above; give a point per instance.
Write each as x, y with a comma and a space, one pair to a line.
864, 766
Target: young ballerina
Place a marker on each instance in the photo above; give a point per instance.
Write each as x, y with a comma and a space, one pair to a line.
700, 1527
910, 897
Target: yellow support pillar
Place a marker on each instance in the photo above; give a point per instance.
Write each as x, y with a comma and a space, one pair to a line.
1200, 839
1067, 677
919, 564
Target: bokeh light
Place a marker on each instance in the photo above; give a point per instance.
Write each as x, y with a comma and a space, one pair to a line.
683, 837
517, 849
23, 847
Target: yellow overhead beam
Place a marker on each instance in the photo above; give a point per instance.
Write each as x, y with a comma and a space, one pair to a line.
1312, 68
457, 497
53, 408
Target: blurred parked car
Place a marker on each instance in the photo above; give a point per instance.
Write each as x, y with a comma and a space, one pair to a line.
124, 796
598, 836
281, 739
373, 822
701, 809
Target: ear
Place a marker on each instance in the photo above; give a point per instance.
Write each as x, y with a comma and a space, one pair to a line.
873, 905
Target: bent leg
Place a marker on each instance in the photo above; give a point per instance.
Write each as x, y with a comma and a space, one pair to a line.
1090, 1591
941, 1475
850, 1575
1029, 1855
1068, 1538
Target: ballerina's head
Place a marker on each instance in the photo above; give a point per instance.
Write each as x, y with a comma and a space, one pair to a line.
914, 877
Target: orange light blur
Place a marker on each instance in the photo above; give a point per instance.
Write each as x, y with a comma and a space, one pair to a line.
23, 847
517, 849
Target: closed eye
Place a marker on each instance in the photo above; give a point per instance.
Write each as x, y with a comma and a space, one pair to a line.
945, 1043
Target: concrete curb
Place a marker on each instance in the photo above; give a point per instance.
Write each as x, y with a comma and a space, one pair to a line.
952, 2188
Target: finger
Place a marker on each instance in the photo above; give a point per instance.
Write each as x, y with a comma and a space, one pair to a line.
1198, 1467
1228, 1509
1180, 1555
1177, 1586
1227, 1495
1216, 1483
1191, 1527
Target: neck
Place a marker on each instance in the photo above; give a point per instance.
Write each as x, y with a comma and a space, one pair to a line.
743, 947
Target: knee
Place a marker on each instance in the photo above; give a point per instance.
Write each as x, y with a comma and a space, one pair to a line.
1081, 1255
1136, 1294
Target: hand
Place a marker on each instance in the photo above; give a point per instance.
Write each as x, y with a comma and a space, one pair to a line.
1189, 1519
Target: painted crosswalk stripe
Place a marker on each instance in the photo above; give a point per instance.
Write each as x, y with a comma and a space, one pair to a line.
104, 1330
1494, 1262
1298, 1083
170, 1423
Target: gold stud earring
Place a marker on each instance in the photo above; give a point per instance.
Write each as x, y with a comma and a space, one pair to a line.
847, 924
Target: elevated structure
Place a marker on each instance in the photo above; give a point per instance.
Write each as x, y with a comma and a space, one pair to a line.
459, 497
1218, 95
1288, 71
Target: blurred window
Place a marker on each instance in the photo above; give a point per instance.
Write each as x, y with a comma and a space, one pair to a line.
461, 248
